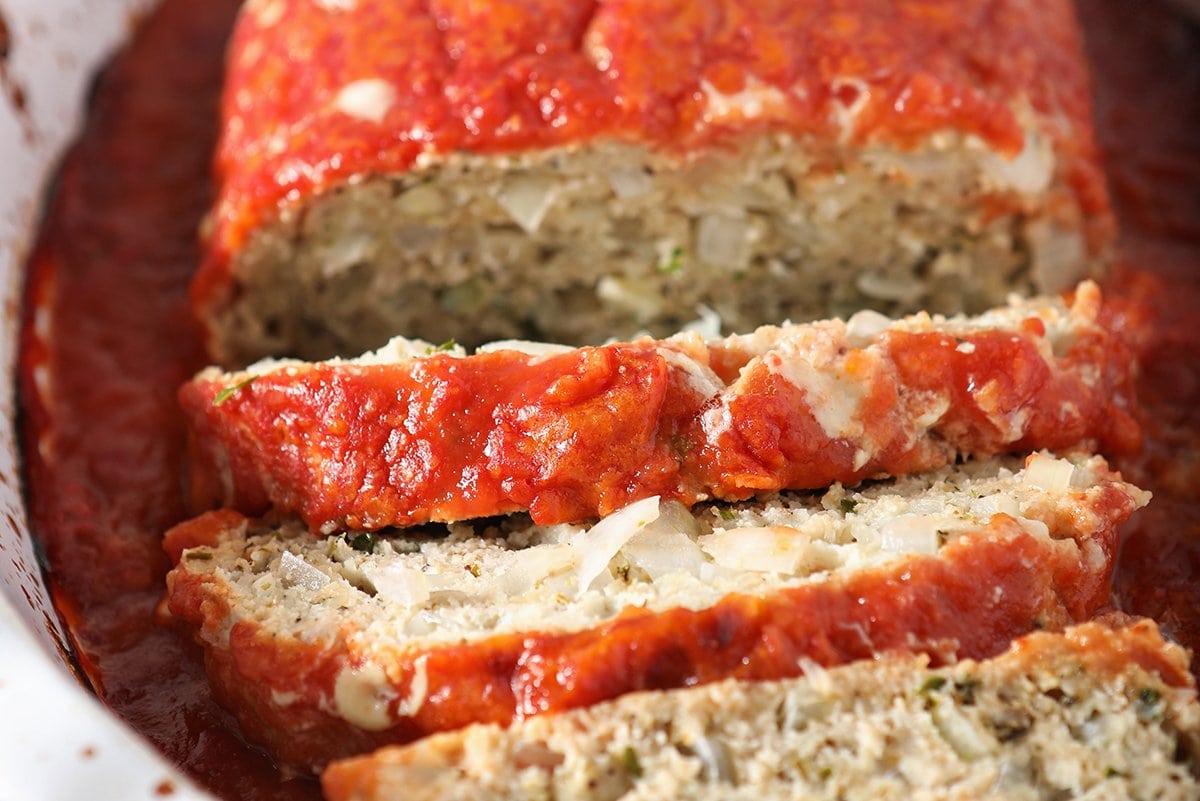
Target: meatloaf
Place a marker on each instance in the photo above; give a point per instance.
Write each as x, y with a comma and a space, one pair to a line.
330, 646
416, 433
573, 170
1090, 713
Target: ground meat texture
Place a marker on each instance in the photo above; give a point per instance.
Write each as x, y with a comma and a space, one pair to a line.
573, 171
413, 433
1093, 712
330, 646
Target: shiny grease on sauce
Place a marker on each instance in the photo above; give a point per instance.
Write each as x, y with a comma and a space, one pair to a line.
117, 247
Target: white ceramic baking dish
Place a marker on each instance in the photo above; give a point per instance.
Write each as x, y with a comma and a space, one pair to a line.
56, 741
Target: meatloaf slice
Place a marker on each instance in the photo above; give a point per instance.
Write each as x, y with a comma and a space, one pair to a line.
571, 170
326, 647
409, 435
1088, 713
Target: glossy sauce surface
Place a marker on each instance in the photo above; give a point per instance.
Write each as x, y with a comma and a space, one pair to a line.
581, 434
109, 282
944, 605
430, 78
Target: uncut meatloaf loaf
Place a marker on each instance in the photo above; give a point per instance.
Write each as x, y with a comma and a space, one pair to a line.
1091, 713
326, 647
574, 170
409, 434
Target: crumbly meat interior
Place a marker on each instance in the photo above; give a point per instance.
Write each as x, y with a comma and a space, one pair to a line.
1050, 722
607, 239
404, 589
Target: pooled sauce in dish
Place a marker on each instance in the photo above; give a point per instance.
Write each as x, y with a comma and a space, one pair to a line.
107, 341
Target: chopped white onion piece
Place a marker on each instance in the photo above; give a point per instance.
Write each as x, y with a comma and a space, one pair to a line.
700, 377
295, 572
767, 549
399, 584
1048, 473
967, 739
402, 349
667, 545
523, 346
865, 326
911, 534
448, 582
527, 199
422, 200
722, 241
1035, 527
921, 505
629, 182
601, 543
664, 553
707, 324
714, 754
1030, 172
527, 568
641, 297
368, 99
902, 289
344, 252
990, 505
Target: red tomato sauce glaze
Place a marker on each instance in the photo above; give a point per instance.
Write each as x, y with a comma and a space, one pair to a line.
103, 438
501, 77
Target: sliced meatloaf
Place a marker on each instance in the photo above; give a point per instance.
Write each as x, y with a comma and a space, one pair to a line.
1091, 713
412, 434
572, 170
331, 646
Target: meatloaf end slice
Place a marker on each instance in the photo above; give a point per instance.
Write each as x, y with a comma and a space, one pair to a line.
1091, 712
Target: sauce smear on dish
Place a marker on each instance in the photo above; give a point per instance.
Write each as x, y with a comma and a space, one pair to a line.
107, 341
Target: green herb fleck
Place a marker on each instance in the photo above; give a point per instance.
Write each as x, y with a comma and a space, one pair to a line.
364, 542
1148, 704
445, 347
675, 263
848, 505
932, 684
629, 761
474, 570
1111, 773
229, 392
203, 556
726, 514
826, 773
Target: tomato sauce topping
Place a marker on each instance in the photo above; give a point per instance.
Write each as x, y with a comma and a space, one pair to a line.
581, 434
945, 605
391, 82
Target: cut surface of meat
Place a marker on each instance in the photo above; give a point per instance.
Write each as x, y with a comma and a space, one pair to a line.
1092, 712
571, 171
326, 647
409, 434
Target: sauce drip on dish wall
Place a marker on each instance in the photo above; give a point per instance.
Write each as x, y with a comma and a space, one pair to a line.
107, 340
